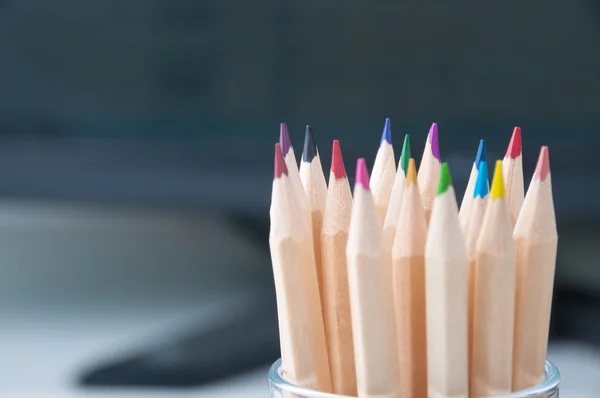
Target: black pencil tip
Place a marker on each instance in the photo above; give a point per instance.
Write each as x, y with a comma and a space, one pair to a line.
310, 147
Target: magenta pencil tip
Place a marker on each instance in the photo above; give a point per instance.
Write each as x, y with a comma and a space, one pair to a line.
362, 175
284, 139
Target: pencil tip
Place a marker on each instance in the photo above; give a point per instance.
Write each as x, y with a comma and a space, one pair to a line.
280, 166
411, 173
405, 156
310, 146
498, 182
482, 185
434, 141
543, 165
445, 179
386, 136
284, 139
481, 153
514, 147
337, 162
362, 175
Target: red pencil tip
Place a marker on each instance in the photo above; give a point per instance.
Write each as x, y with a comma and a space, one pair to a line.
543, 165
280, 167
514, 147
362, 175
337, 162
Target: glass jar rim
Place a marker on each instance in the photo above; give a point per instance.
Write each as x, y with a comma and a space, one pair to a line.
549, 385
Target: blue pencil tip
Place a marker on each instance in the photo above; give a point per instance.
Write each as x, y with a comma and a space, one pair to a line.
481, 156
386, 136
482, 185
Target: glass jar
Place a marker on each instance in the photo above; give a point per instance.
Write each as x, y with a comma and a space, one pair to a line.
280, 388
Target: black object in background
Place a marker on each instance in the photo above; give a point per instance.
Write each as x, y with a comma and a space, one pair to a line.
246, 342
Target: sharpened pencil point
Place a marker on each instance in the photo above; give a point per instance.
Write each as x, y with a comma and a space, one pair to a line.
481, 185
514, 147
498, 182
337, 162
445, 179
543, 165
362, 175
411, 173
386, 136
435, 141
284, 139
405, 156
310, 146
280, 167
481, 153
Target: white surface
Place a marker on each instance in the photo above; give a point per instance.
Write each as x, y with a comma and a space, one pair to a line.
81, 284
42, 356
579, 367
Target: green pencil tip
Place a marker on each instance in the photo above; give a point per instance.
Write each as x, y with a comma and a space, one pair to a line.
405, 156
445, 179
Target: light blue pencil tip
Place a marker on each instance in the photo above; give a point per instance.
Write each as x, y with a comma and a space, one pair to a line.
386, 136
481, 154
482, 187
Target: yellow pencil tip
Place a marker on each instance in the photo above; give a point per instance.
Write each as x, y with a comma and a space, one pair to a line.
411, 173
497, 190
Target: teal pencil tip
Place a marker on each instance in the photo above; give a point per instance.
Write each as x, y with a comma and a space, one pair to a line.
405, 156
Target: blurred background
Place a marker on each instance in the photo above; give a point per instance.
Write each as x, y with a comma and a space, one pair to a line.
136, 144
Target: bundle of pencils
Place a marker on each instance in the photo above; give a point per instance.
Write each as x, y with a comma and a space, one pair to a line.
392, 291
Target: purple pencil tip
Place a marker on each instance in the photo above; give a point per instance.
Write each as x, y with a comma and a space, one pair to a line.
434, 141
284, 139
362, 175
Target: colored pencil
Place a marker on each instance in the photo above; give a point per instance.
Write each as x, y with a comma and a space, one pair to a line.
391, 292
384, 171
446, 296
512, 168
429, 170
315, 187
369, 280
494, 299
476, 216
302, 333
334, 239
466, 204
537, 239
393, 211
408, 270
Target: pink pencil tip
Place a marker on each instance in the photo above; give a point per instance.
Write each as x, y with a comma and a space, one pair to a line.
543, 165
280, 166
514, 147
337, 162
362, 175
